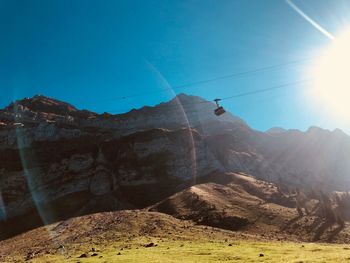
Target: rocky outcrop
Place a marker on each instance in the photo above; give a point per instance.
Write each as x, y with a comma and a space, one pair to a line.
134, 170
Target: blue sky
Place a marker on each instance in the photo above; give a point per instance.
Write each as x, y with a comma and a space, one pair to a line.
89, 52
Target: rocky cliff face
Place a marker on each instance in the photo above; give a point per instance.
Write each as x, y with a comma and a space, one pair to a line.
57, 161
41, 118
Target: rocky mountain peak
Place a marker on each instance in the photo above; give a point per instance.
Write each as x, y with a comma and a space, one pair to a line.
182, 97
275, 130
339, 132
182, 100
40, 103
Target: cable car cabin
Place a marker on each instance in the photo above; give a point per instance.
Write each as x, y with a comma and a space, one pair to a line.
219, 111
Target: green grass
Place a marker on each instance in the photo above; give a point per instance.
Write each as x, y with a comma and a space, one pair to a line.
206, 251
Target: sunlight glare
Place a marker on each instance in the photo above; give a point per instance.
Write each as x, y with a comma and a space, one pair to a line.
331, 78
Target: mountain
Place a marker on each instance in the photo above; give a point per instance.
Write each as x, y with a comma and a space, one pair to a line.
275, 130
58, 162
49, 119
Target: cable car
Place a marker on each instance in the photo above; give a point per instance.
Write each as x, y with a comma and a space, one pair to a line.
219, 110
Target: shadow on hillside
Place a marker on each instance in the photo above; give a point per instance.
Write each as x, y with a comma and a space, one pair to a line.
322, 229
335, 232
60, 209
84, 203
315, 224
319, 226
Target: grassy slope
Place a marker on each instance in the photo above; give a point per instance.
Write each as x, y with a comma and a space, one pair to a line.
210, 251
127, 233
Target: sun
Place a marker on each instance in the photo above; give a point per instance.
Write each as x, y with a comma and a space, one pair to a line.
330, 74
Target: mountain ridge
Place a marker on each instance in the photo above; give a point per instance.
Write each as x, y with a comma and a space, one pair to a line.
80, 159
38, 102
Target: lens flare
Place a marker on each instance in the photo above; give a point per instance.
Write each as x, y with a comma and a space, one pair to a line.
330, 87
2, 209
185, 120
